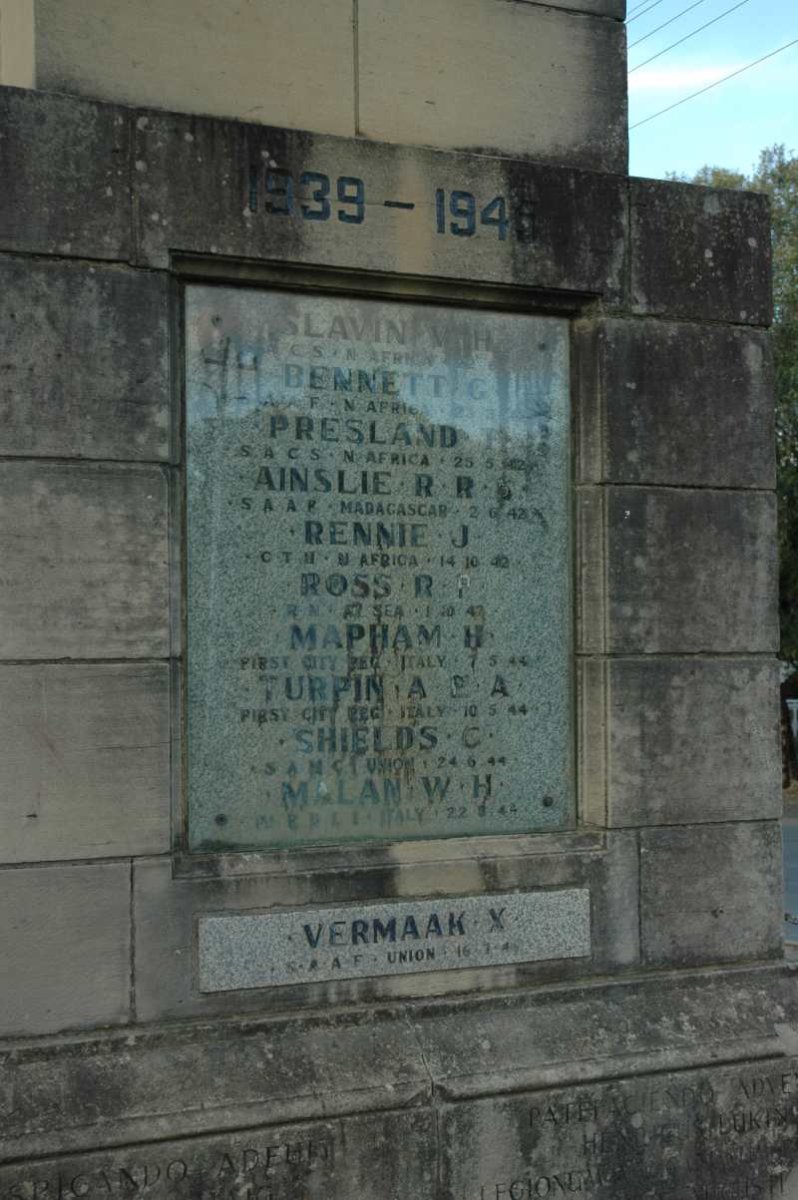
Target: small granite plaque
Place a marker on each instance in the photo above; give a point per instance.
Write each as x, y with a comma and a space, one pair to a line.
247, 950
378, 564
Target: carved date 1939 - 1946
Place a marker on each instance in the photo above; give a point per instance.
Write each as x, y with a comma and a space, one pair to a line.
315, 196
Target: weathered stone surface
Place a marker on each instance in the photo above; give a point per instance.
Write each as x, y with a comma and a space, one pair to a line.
711, 893
188, 57
91, 579
64, 171
692, 740
64, 947
84, 561
663, 1023
84, 762
166, 910
386, 1155
282, 62
203, 1079
17, 56
726, 1132
700, 252
552, 82
565, 229
616, 904
207, 1077
84, 366
599, 8
687, 571
674, 403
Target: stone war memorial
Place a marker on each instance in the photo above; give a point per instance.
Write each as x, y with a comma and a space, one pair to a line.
390, 778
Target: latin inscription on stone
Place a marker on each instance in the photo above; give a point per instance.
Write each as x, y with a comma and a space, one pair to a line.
726, 1134
378, 604
244, 950
297, 1162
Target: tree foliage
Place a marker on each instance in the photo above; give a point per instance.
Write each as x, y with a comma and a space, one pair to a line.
776, 174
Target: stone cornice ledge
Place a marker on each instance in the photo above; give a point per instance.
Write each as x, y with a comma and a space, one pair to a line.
117, 1087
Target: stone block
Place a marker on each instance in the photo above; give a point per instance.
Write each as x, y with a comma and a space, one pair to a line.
84, 561
281, 62
683, 571
700, 253
552, 83
65, 172
84, 368
64, 947
674, 403
711, 893
17, 51
564, 229
85, 761
692, 740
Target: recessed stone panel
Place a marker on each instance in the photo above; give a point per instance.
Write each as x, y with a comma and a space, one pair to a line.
84, 362
84, 561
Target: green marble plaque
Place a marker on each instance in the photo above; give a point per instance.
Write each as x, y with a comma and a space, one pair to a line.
378, 570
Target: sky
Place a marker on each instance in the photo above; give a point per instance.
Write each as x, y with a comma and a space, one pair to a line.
729, 125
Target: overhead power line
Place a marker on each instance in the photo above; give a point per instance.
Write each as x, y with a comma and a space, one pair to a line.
642, 4
717, 83
646, 6
665, 24
687, 37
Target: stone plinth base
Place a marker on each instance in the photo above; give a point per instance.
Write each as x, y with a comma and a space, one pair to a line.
683, 1086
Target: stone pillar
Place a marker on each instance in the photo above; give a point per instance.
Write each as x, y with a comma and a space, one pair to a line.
186, 1008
